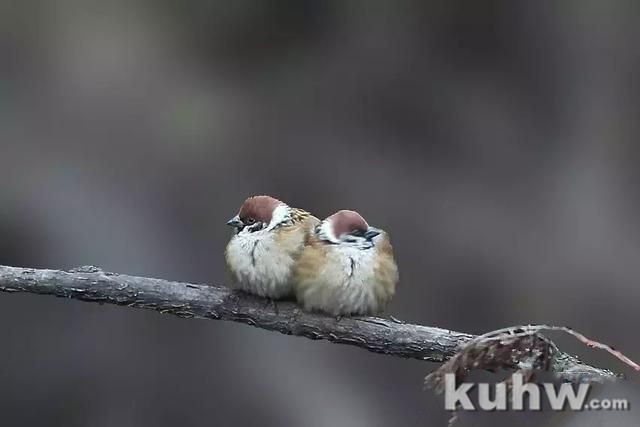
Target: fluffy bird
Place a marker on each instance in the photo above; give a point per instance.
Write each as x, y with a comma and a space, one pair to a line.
347, 268
269, 237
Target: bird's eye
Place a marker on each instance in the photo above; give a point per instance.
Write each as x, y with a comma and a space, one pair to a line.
249, 221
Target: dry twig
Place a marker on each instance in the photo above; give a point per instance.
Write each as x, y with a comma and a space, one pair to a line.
371, 333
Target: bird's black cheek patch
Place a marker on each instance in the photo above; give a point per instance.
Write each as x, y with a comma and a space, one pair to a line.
255, 227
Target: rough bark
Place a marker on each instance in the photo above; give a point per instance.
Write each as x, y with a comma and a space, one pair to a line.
218, 302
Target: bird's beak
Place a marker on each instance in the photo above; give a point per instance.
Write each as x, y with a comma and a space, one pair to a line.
371, 233
235, 222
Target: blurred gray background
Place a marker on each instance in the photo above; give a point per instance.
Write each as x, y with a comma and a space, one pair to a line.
497, 142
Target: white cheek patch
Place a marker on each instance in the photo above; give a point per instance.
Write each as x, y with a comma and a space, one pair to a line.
326, 232
280, 215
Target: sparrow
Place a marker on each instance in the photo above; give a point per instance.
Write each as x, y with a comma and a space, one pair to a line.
346, 268
268, 240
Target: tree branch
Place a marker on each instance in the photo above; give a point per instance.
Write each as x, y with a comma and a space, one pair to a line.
217, 302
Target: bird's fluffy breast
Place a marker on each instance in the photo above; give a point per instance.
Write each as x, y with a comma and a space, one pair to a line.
262, 262
345, 280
